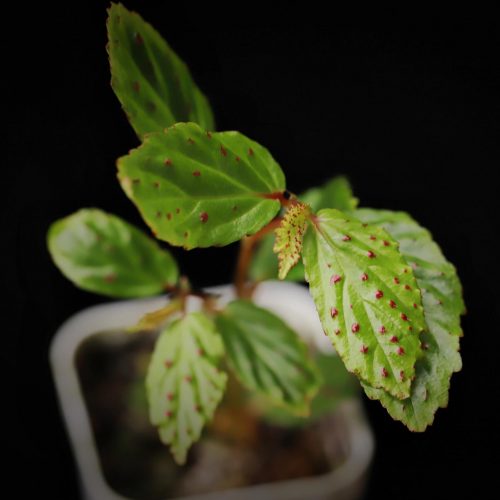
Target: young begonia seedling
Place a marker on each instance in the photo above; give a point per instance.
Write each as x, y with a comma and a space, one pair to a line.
387, 298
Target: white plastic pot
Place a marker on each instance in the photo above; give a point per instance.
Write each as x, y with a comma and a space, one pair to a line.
290, 301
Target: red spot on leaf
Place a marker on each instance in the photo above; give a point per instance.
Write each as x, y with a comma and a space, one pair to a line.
169, 216
237, 158
384, 372
223, 150
136, 86
170, 396
138, 39
337, 331
415, 305
335, 279
168, 413
400, 351
364, 277
209, 135
396, 280
392, 304
190, 141
372, 237
407, 287
333, 312
370, 254
386, 243
168, 363
156, 184
110, 278
188, 378
250, 151
394, 339
196, 173
364, 349
404, 317
203, 217
355, 328
379, 294
177, 210
346, 237
167, 162
382, 329
402, 375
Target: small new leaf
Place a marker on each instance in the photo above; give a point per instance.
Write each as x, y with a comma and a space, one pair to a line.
443, 306
152, 83
184, 385
367, 298
336, 193
199, 189
289, 235
267, 356
101, 253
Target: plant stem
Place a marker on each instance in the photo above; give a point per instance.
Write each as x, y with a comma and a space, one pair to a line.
244, 289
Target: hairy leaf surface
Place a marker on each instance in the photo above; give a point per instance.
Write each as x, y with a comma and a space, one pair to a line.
336, 193
367, 298
153, 85
184, 385
101, 253
289, 236
197, 189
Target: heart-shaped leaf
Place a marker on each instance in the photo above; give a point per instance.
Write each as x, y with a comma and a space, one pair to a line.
184, 385
101, 253
153, 85
267, 356
336, 193
198, 189
367, 298
443, 305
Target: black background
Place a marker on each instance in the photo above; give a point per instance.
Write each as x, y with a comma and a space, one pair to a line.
406, 109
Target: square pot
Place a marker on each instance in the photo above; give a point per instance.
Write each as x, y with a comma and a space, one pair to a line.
346, 478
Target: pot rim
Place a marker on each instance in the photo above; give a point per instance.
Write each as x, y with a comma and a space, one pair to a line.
290, 301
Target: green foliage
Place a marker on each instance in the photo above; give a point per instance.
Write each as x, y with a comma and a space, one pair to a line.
197, 189
443, 305
337, 385
336, 193
267, 356
289, 237
153, 85
183, 383
101, 253
367, 298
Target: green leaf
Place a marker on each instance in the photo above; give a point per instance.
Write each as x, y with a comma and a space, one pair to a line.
267, 356
367, 298
197, 189
337, 385
336, 193
289, 237
153, 85
443, 305
101, 253
184, 385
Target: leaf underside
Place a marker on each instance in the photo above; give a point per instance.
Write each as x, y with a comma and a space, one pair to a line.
197, 189
184, 385
367, 298
443, 306
289, 236
101, 253
267, 356
336, 193
152, 83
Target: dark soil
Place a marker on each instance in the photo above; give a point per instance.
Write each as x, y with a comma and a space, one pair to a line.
238, 448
